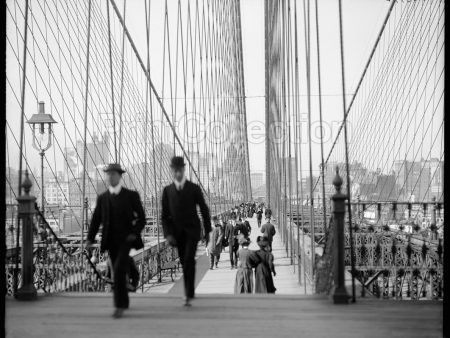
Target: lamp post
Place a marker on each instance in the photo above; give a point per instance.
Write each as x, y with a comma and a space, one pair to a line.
42, 140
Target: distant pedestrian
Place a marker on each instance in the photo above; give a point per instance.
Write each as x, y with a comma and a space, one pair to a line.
247, 261
247, 226
265, 268
268, 231
215, 244
268, 213
120, 212
231, 238
242, 228
259, 213
181, 223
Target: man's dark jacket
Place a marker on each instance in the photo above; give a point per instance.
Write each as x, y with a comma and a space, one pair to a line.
230, 235
132, 218
268, 231
179, 211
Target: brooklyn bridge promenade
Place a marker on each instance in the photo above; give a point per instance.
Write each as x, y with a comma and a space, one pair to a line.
217, 312
346, 150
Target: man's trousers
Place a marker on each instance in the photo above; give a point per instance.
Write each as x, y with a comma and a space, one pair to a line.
213, 258
233, 249
187, 249
123, 266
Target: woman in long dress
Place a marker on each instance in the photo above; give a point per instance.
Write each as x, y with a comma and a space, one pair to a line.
265, 268
247, 260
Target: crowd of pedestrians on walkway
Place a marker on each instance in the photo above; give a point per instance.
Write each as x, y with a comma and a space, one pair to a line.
232, 233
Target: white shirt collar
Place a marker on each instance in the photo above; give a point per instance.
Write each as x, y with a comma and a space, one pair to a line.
180, 185
115, 190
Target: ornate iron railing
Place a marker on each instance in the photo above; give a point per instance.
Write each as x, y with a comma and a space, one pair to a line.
62, 267
399, 255
398, 265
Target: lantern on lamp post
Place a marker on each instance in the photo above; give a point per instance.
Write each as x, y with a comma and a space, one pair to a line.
41, 124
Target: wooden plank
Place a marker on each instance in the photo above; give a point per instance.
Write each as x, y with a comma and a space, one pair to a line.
88, 315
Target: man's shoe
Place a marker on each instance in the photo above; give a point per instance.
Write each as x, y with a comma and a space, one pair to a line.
211, 268
187, 301
217, 265
118, 313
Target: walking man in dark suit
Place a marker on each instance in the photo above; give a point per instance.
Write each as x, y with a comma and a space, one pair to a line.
268, 229
181, 224
120, 212
259, 213
231, 232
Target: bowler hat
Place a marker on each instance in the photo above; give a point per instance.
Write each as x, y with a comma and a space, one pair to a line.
114, 167
177, 162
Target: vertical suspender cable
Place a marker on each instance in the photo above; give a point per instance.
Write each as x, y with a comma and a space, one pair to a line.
241, 64
308, 82
267, 95
322, 164
121, 80
147, 101
290, 136
352, 258
366, 68
298, 157
22, 120
283, 120
112, 83
84, 207
158, 98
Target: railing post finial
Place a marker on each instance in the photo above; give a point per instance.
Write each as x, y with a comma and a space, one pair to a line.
340, 295
337, 180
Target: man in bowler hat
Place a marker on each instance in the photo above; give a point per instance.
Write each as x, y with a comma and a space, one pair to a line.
120, 212
181, 224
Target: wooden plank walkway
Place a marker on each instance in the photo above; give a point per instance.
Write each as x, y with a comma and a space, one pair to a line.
89, 315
